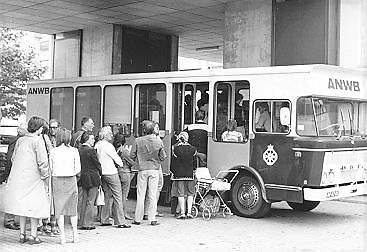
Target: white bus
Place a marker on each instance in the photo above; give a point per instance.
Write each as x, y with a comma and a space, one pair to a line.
304, 127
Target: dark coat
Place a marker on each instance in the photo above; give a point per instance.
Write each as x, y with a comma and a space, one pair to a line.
183, 162
91, 171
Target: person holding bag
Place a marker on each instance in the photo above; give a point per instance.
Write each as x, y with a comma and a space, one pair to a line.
90, 180
65, 166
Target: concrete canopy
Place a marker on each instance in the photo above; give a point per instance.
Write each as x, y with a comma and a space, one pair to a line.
198, 23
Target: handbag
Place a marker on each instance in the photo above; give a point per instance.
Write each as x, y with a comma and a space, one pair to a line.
100, 197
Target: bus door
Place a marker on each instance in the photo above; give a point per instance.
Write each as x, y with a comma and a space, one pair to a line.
271, 149
229, 142
150, 104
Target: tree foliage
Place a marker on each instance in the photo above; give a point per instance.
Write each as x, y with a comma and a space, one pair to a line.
17, 67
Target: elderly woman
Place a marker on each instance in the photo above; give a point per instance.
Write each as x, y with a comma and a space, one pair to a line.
26, 192
111, 184
183, 158
65, 166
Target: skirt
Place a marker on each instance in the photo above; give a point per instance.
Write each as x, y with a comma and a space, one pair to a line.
65, 196
183, 188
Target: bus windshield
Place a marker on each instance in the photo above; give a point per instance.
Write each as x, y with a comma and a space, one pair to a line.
331, 117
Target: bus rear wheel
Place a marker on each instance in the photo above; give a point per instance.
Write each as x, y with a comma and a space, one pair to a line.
303, 207
247, 198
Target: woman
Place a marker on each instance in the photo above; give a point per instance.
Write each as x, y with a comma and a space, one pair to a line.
65, 166
111, 184
90, 179
26, 192
124, 171
231, 135
183, 158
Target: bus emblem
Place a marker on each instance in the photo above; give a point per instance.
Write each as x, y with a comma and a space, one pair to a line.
270, 156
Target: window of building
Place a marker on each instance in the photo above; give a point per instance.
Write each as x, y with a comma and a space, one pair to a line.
62, 104
150, 105
88, 104
117, 108
231, 111
271, 116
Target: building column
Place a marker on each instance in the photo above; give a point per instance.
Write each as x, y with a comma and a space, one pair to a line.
248, 33
353, 33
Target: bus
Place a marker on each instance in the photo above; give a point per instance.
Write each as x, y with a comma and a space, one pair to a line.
304, 127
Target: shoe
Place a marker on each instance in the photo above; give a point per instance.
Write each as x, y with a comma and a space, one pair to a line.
128, 217
87, 228
159, 214
22, 238
177, 214
106, 224
189, 216
145, 217
54, 232
34, 240
154, 223
181, 216
135, 223
12, 226
124, 226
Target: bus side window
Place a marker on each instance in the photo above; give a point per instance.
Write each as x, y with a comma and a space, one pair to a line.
232, 111
272, 116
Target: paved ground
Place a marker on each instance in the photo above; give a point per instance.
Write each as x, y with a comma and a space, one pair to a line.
332, 226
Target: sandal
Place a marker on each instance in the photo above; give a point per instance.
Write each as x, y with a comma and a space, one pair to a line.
34, 240
23, 238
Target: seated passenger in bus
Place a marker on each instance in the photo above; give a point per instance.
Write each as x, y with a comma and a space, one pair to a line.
198, 135
231, 135
263, 123
203, 104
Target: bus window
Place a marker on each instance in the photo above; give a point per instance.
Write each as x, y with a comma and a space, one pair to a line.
88, 103
151, 102
231, 111
62, 104
117, 108
306, 124
267, 116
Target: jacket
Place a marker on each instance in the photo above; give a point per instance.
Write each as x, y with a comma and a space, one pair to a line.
91, 172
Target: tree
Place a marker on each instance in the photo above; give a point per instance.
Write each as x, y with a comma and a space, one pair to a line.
17, 68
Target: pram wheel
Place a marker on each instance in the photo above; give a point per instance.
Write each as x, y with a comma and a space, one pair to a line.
206, 214
194, 211
226, 212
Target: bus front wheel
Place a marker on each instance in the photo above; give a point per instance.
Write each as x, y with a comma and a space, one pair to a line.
303, 207
247, 199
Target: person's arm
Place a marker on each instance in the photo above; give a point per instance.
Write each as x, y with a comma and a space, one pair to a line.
110, 150
42, 159
125, 155
92, 153
133, 153
77, 166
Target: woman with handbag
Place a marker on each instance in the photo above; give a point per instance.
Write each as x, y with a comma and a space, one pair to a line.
65, 167
90, 180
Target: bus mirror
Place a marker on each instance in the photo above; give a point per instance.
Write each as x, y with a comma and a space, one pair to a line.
285, 116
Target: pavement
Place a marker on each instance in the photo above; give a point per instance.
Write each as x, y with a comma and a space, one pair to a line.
324, 229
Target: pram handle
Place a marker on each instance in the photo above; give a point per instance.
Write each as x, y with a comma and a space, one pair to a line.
226, 173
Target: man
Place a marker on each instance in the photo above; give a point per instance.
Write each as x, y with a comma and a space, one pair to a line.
148, 152
198, 136
54, 125
87, 124
9, 219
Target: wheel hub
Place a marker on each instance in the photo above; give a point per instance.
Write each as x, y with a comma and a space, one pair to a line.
248, 195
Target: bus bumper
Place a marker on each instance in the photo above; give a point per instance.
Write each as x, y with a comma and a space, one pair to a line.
336, 192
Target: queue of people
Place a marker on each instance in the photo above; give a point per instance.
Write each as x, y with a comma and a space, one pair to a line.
54, 173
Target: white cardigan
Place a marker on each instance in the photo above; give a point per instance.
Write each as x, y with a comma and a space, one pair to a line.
64, 161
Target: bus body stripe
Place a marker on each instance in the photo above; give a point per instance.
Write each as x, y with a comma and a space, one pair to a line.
330, 150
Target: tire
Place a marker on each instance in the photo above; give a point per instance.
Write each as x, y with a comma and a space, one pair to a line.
247, 198
303, 207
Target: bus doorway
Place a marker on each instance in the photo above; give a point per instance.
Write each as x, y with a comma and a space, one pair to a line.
230, 136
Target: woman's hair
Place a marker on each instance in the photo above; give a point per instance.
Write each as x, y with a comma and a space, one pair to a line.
104, 132
231, 125
148, 127
119, 140
183, 137
35, 123
63, 136
85, 136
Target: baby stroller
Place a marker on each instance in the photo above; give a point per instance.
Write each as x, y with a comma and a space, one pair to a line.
208, 197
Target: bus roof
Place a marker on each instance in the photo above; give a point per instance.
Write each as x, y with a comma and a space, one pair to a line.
214, 72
